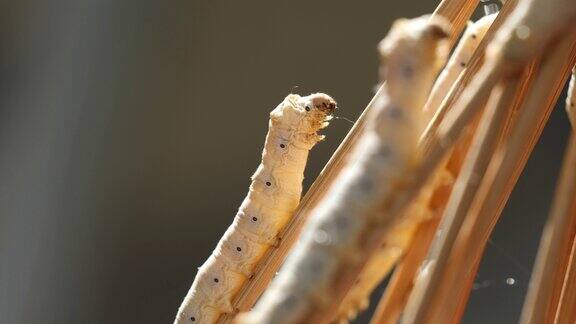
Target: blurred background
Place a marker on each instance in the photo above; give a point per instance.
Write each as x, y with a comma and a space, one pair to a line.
129, 131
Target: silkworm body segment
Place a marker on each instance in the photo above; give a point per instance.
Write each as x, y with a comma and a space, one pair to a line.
272, 198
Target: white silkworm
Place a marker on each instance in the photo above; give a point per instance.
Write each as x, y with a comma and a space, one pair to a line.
273, 196
413, 55
458, 61
397, 240
571, 100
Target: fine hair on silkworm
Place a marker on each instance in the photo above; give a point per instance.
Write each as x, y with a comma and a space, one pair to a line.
398, 238
413, 53
272, 198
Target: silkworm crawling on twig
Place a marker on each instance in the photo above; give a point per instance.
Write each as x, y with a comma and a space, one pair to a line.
332, 241
458, 61
571, 99
395, 243
273, 196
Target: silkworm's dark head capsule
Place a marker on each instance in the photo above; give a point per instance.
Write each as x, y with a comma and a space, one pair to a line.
318, 102
323, 102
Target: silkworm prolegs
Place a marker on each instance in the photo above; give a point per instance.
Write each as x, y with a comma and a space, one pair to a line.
272, 198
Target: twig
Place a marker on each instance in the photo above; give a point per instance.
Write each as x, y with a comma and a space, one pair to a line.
454, 284
566, 313
555, 244
396, 294
461, 199
546, 89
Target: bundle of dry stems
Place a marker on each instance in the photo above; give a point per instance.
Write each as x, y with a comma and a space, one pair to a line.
431, 221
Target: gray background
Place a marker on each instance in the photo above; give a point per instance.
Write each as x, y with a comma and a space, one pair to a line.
129, 131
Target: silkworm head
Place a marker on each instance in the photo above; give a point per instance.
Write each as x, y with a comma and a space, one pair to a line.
319, 102
413, 52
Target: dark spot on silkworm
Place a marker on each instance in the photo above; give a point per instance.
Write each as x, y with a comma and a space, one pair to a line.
366, 184
251, 276
193, 319
216, 280
254, 218
341, 223
316, 266
238, 249
277, 242
289, 301
268, 183
385, 152
474, 36
307, 108
407, 71
462, 64
282, 145
571, 104
395, 112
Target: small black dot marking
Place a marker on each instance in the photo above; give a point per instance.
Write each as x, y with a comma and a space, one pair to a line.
395, 113
268, 183
307, 108
216, 280
462, 64
238, 249
474, 36
193, 319
277, 242
571, 104
316, 265
386, 151
282, 145
254, 219
366, 184
341, 223
290, 301
407, 71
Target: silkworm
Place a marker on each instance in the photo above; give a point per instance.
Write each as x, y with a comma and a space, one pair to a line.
571, 99
458, 61
394, 245
413, 53
272, 198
